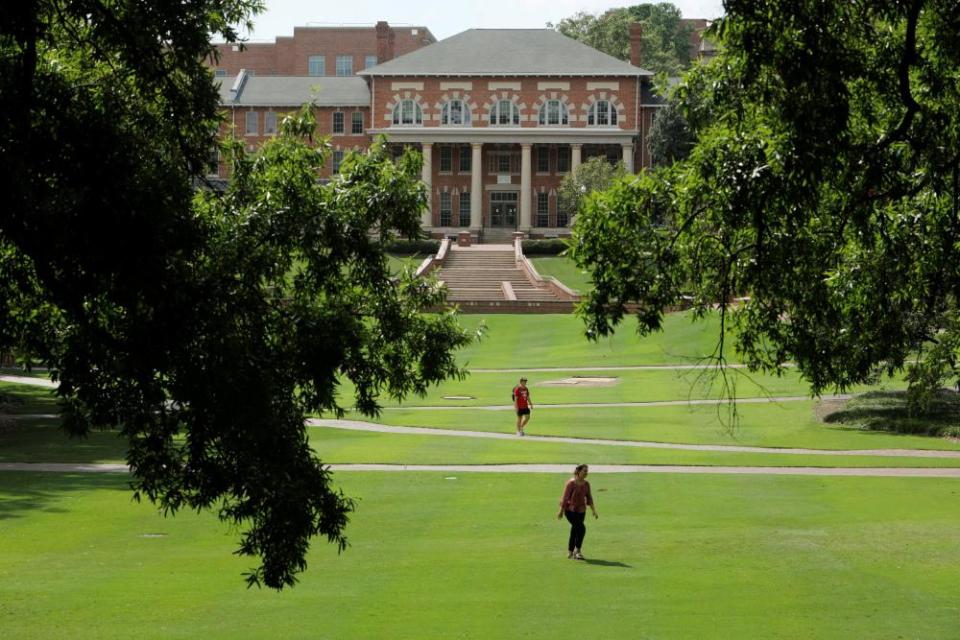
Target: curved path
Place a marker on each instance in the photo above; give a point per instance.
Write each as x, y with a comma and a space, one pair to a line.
588, 405
565, 468
356, 425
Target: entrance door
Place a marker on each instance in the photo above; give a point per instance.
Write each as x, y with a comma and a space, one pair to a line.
503, 209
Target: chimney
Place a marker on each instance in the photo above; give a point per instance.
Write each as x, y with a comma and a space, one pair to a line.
636, 43
385, 38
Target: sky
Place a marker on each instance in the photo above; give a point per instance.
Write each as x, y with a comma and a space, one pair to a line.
443, 19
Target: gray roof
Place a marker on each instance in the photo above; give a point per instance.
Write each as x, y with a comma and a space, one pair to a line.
506, 52
292, 91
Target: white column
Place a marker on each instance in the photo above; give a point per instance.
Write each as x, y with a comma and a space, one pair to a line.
426, 218
575, 156
628, 157
525, 195
476, 187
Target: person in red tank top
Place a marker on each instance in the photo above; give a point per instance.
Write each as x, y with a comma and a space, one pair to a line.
522, 403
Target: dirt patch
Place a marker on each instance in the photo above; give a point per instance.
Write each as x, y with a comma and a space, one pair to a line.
824, 408
580, 381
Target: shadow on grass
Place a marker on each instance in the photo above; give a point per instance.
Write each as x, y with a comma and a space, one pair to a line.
24, 493
607, 563
889, 412
42, 440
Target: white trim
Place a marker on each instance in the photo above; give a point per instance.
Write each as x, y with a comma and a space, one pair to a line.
558, 86
463, 86
398, 86
596, 86
500, 85
500, 135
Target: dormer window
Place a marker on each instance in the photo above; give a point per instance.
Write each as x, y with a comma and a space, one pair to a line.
454, 112
554, 112
602, 113
504, 112
407, 112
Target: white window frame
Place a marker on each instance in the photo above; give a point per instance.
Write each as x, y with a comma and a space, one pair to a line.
543, 214
369, 61
333, 124
447, 113
446, 159
356, 118
594, 116
554, 113
337, 160
446, 209
251, 125
496, 114
270, 123
342, 70
464, 159
317, 63
401, 112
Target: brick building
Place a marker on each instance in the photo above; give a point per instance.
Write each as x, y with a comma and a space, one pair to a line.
500, 115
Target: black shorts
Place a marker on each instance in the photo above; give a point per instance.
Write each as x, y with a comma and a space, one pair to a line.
523, 412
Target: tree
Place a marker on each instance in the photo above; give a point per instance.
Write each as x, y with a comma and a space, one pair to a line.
594, 175
824, 185
665, 43
205, 325
670, 138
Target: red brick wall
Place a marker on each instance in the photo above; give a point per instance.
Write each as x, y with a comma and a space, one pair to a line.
480, 95
345, 142
288, 55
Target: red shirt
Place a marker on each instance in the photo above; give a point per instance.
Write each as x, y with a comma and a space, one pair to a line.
521, 396
576, 497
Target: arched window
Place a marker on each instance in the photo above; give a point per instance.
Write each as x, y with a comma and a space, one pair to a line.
454, 112
553, 112
407, 112
602, 113
504, 112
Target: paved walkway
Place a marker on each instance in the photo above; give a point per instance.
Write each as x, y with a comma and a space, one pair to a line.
356, 425
589, 405
36, 382
565, 468
626, 367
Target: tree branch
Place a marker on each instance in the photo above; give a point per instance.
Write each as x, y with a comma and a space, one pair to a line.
903, 74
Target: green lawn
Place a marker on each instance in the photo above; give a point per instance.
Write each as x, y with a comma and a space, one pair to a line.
557, 340
789, 424
479, 555
492, 388
345, 446
440, 555
563, 269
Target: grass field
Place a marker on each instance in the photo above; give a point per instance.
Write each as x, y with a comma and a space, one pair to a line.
437, 555
480, 555
563, 269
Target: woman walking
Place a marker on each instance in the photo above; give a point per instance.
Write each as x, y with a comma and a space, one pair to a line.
573, 504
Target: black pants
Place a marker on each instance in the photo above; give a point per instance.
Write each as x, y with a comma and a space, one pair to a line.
577, 529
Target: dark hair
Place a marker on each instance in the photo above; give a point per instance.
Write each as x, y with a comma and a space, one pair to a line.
580, 467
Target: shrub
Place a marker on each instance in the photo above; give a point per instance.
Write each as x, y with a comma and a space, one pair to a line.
413, 247
551, 247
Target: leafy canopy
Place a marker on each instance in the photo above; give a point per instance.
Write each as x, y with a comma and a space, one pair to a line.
206, 325
665, 46
824, 186
594, 175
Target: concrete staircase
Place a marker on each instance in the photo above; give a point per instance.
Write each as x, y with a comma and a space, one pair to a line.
486, 278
